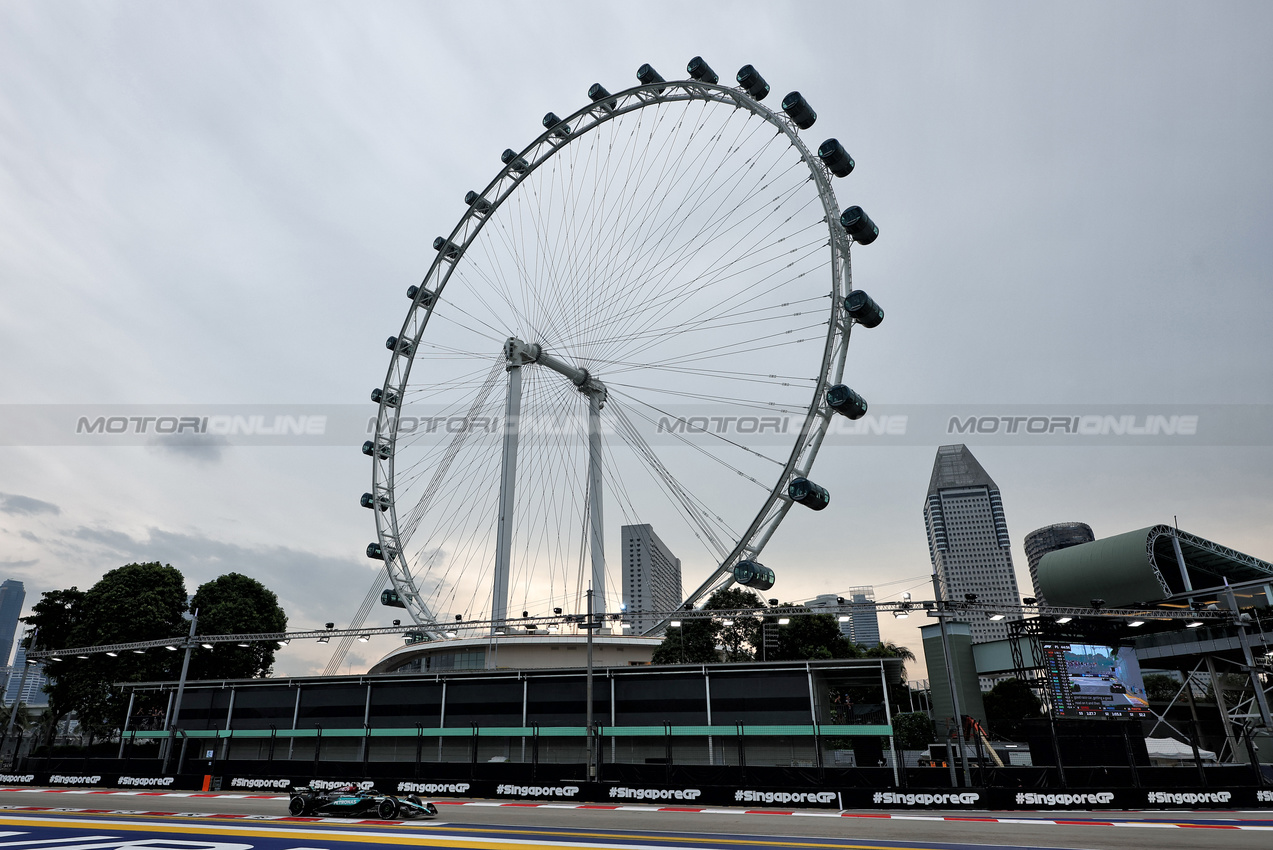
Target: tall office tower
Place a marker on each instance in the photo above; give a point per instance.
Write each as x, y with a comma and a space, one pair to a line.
1050, 538
864, 626
651, 576
968, 538
856, 613
33, 688
12, 595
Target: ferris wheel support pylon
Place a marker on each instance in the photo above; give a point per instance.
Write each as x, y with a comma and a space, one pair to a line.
519, 355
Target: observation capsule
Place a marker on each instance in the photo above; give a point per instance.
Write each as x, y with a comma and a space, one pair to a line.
863, 309
754, 575
647, 76
516, 164
402, 346
370, 501
374, 552
701, 71
859, 225
598, 93
477, 202
390, 598
552, 122
390, 398
835, 158
804, 492
799, 110
446, 247
426, 295
846, 402
370, 449
751, 81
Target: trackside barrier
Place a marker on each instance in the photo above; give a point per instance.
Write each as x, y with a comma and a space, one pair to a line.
691, 795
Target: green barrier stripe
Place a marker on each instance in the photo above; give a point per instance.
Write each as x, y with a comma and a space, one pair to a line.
543, 732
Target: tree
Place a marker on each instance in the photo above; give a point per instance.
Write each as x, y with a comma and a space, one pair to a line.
700, 640
55, 617
1010, 702
888, 649
236, 604
142, 602
913, 731
809, 636
1160, 687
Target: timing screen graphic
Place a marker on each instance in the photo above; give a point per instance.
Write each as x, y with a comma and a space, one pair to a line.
1094, 681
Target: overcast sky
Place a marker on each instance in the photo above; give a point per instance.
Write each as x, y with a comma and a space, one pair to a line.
220, 203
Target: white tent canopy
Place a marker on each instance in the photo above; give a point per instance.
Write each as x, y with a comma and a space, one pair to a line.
1170, 748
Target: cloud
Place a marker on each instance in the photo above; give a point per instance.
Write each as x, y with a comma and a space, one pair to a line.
13, 565
201, 448
14, 504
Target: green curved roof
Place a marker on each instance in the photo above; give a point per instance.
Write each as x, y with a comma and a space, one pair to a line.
1117, 569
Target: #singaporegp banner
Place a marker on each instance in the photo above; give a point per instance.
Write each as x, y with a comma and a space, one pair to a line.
692, 796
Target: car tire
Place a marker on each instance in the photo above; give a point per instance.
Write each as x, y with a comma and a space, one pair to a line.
298, 806
388, 809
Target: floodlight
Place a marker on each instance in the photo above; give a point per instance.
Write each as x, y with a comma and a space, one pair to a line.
843, 618
206, 645
113, 654
675, 624
1136, 623
900, 615
170, 648
782, 621
1195, 624
997, 616
1064, 620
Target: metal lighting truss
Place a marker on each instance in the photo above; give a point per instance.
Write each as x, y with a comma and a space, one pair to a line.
512, 625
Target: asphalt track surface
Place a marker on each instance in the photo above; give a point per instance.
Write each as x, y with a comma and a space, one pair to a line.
72, 820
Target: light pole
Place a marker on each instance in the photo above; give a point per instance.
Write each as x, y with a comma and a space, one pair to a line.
590, 625
942, 612
181, 689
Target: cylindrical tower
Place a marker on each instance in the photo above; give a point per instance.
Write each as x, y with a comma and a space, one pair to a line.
1050, 538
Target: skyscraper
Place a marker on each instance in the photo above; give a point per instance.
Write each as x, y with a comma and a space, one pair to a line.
12, 595
33, 688
864, 625
968, 538
1051, 538
651, 576
856, 613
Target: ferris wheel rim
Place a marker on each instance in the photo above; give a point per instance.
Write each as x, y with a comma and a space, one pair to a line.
543, 148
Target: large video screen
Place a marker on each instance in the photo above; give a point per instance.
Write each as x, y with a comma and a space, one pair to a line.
1094, 681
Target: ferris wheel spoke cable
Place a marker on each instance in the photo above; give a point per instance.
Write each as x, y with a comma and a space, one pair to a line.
698, 325
442, 471
360, 617
698, 286
732, 401
661, 267
691, 506
722, 438
717, 275
629, 249
666, 260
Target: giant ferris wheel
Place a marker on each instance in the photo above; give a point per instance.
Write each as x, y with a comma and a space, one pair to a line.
643, 318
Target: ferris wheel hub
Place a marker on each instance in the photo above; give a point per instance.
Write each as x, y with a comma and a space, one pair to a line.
519, 354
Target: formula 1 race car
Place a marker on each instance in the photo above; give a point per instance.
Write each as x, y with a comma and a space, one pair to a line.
352, 801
